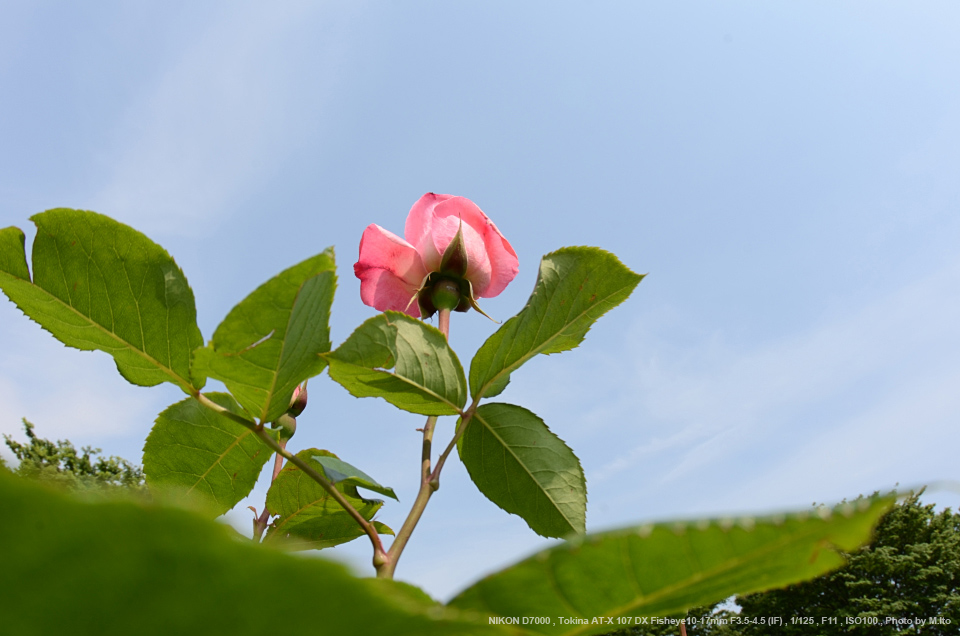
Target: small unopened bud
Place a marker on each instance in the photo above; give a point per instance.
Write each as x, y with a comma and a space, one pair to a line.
287, 424
299, 400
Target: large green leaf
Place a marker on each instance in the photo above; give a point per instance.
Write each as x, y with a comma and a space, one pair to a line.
309, 517
403, 360
575, 286
523, 467
122, 568
198, 456
271, 341
99, 284
663, 569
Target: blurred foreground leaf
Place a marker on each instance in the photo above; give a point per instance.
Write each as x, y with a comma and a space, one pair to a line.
121, 568
663, 569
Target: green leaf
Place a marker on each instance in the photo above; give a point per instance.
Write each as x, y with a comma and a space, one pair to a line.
663, 569
99, 284
200, 457
339, 471
271, 341
309, 517
523, 467
126, 568
426, 378
575, 286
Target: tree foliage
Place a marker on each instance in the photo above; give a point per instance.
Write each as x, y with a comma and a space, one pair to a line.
60, 463
909, 572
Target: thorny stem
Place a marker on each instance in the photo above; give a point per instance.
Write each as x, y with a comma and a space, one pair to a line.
260, 523
379, 556
464, 420
429, 479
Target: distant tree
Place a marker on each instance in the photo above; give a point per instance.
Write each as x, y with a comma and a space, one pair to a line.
59, 463
699, 621
909, 571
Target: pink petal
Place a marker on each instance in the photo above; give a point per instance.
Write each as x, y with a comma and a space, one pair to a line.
419, 227
456, 213
498, 265
390, 271
383, 291
433, 222
504, 264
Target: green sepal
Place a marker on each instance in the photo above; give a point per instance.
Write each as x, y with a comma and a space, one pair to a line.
455, 261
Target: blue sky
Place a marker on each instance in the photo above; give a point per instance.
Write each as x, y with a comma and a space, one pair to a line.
787, 175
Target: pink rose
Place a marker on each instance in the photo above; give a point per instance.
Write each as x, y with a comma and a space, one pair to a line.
401, 274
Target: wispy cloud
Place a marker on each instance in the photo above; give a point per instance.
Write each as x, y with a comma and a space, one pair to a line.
67, 393
219, 120
867, 396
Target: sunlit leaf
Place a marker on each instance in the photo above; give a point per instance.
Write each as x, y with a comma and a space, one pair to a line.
99, 284
403, 360
523, 467
575, 286
271, 341
198, 456
309, 517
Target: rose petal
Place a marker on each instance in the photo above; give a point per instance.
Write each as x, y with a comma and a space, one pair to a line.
492, 272
390, 270
383, 291
419, 226
455, 214
504, 264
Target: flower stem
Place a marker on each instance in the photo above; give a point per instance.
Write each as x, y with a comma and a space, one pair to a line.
429, 482
260, 525
444, 319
